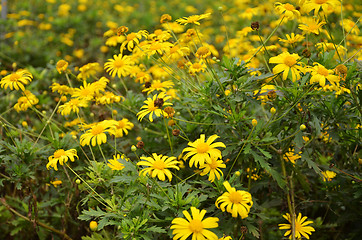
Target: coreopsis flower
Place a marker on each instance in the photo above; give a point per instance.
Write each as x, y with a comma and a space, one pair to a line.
196, 67
26, 101
292, 38
326, 6
237, 202
62, 66
291, 156
158, 166
72, 106
203, 151
194, 19
202, 52
153, 106
86, 92
119, 65
121, 128
97, 134
213, 169
287, 10
158, 85
62, 157
286, 63
194, 225
114, 163
89, 70
133, 39
328, 175
142, 77
301, 228
16, 80
311, 25
320, 74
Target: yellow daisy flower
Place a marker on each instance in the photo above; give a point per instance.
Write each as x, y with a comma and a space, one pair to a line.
287, 10
158, 85
107, 98
194, 19
292, 38
56, 183
202, 151
72, 106
121, 128
286, 63
196, 67
237, 202
158, 165
62, 66
26, 101
157, 47
133, 39
202, 52
213, 169
326, 6
86, 92
16, 80
153, 106
350, 26
114, 164
194, 225
61, 89
328, 175
97, 134
62, 157
301, 228
119, 65
320, 74
311, 25
291, 156
89, 70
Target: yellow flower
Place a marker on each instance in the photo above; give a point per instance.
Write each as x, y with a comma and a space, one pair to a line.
202, 151
86, 92
97, 134
311, 25
237, 202
202, 52
121, 127
62, 157
157, 47
107, 98
62, 66
301, 228
196, 67
213, 169
326, 6
26, 101
153, 106
320, 74
350, 26
56, 183
61, 89
292, 38
114, 40
287, 10
119, 65
72, 106
286, 63
291, 156
88, 70
195, 226
114, 164
158, 85
16, 80
158, 165
265, 93
133, 39
194, 19
165, 18
328, 175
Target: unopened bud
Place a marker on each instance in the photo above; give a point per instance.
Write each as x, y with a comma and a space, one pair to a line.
254, 122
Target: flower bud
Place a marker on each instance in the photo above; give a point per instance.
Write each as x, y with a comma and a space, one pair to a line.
273, 110
133, 148
254, 122
77, 181
175, 132
93, 225
237, 173
302, 127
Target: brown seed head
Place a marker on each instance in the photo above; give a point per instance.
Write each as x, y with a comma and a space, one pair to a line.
158, 102
255, 25
140, 145
170, 111
175, 132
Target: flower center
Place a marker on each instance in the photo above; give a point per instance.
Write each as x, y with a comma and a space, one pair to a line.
202, 147
14, 77
289, 7
97, 130
121, 124
298, 227
118, 63
192, 19
320, 1
213, 164
323, 71
160, 165
196, 226
289, 61
59, 153
202, 51
235, 197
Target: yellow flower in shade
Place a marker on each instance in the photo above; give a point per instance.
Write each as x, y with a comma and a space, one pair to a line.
62, 66
291, 156
287, 10
89, 70
133, 39
56, 183
158, 85
26, 101
328, 175
202, 152
292, 38
194, 225
121, 127
196, 67
153, 106
301, 228
72, 106
311, 25
62, 157
320, 74
326, 6
119, 65
16, 80
194, 19
213, 169
114, 164
158, 166
97, 134
237, 202
286, 63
